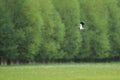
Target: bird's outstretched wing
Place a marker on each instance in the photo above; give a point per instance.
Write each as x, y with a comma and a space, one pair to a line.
81, 27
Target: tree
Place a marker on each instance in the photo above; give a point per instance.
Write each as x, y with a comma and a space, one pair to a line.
114, 29
85, 50
69, 12
8, 47
95, 15
52, 32
99, 41
27, 20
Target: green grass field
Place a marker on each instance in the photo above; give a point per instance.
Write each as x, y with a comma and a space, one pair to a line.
81, 71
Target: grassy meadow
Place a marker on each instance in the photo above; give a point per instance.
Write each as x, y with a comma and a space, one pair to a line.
73, 71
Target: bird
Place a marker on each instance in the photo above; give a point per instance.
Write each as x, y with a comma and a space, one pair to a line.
81, 26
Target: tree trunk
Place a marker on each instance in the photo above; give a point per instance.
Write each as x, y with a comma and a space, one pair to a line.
8, 62
0, 61
3, 62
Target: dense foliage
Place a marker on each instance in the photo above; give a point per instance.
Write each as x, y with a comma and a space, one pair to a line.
48, 30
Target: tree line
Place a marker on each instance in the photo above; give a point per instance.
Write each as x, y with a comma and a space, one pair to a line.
48, 30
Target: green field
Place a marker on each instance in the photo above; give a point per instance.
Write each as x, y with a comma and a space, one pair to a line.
81, 71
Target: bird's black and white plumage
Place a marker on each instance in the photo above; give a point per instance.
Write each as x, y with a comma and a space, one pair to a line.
81, 25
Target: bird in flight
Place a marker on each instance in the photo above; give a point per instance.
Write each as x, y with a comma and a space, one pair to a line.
81, 25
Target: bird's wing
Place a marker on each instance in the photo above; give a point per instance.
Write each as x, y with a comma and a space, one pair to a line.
81, 27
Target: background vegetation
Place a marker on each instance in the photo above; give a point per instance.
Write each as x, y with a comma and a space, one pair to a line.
48, 30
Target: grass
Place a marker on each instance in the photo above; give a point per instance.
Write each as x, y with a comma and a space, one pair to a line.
81, 71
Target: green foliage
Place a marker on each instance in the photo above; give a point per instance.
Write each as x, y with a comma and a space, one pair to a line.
48, 30
97, 22
114, 27
69, 12
27, 21
8, 47
52, 31
100, 40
